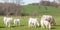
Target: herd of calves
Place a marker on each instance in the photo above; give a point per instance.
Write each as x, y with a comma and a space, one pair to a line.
46, 21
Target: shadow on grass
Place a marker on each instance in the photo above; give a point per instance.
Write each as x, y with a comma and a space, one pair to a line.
22, 25
57, 25
2, 27
17, 26
13, 26
54, 27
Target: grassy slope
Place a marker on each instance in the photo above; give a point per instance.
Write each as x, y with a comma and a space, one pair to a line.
24, 21
51, 10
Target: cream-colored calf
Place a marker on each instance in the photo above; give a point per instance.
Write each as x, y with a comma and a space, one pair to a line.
33, 22
16, 21
7, 21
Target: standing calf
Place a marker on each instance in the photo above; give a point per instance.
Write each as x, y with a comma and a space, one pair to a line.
33, 22
7, 21
46, 24
16, 21
47, 20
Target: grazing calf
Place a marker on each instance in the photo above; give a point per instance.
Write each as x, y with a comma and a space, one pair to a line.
46, 24
16, 21
33, 22
7, 21
49, 18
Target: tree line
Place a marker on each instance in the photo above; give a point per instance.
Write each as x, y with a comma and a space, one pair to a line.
10, 9
14, 9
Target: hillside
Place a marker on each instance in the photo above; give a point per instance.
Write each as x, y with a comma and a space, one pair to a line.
29, 9
11, 9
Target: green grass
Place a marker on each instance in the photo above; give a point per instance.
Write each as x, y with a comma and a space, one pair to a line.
24, 24
55, 12
33, 8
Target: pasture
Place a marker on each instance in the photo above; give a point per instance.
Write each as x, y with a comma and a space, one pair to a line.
24, 24
55, 12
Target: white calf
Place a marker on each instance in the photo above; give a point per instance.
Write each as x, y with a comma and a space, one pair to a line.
16, 21
33, 22
7, 21
45, 24
49, 18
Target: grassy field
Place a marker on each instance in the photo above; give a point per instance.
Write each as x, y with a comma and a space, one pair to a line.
24, 24
55, 12
33, 8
